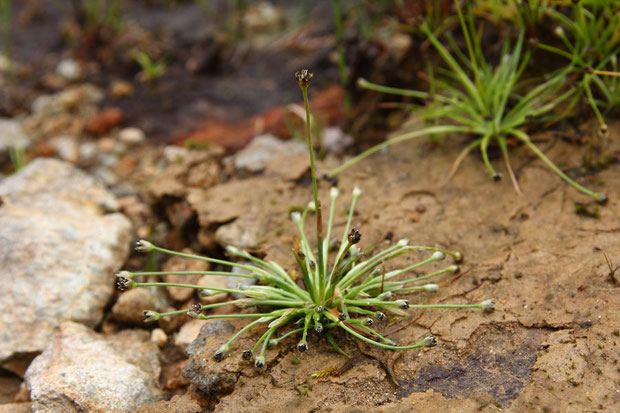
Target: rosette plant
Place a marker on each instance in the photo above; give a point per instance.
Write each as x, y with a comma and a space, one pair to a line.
350, 292
487, 103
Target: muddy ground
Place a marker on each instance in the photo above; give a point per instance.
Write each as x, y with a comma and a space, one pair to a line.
552, 342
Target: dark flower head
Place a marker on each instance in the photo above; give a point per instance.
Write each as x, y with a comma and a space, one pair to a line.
488, 306
144, 246
221, 353
150, 316
303, 78
429, 341
195, 310
354, 236
124, 284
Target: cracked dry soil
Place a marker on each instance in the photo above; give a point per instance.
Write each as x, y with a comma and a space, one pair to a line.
552, 344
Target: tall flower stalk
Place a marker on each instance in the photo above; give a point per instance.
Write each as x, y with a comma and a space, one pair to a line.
352, 294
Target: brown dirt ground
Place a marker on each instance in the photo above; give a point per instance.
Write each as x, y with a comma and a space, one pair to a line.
552, 344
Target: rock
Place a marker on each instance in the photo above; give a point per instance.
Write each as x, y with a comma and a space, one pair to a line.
57, 241
84, 371
9, 386
159, 337
233, 282
218, 328
178, 404
103, 121
197, 369
173, 264
5, 63
106, 176
335, 140
69, 70
106, 144
263, 149
130, 306
225, 202
121, 88
88, 151
11, 136
66, 148
204, 174
263, 16
175, 154
188, 333
214, 281
131, 136
180, 167
243, 233
67, 100
16, 408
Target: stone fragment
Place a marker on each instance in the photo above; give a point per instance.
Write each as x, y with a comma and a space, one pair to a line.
180, 294
130, 306
84, 371
188, 333
11, 136
62, 243
131, 136
213, 281
69, 69
288, 159
103, 121
243, 233
198, 368
235, 282
159, 337
178, 404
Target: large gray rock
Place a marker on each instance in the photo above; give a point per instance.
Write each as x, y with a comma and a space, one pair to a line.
84, 371
59, 250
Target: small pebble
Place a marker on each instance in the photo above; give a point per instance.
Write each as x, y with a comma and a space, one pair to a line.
66, 148
159, 337
121, 88
106, 144
69, 69
132, 136
175, 154
188, 333
88, 150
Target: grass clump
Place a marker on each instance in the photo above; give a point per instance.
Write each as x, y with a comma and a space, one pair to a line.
351, 293
477, 99
590, 43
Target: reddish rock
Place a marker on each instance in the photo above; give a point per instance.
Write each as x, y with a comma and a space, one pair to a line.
103, 121
327, 107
